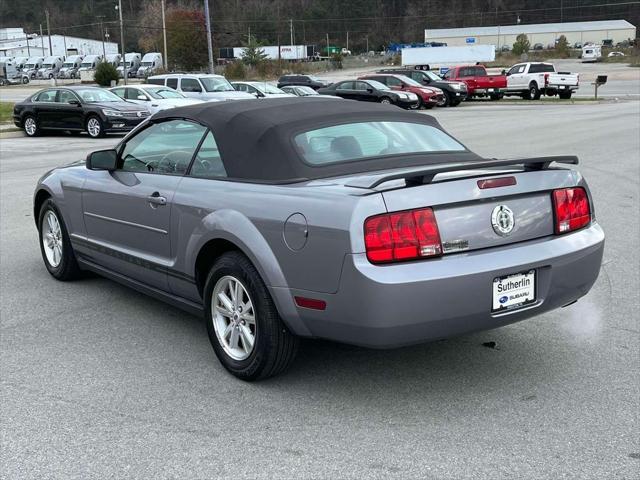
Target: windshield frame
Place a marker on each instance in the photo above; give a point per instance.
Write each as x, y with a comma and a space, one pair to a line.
79, 91
221, 81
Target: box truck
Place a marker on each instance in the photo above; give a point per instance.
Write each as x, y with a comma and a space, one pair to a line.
429, 57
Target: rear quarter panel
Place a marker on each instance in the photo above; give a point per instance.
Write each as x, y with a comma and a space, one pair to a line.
253, 217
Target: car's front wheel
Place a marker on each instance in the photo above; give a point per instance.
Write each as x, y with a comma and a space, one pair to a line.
94, 127
55, 245
446, 100
385, 100
244, 327
31, 127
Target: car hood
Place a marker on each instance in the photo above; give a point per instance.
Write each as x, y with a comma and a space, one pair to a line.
119, 106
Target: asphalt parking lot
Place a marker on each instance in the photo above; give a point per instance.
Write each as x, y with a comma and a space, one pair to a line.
98, 381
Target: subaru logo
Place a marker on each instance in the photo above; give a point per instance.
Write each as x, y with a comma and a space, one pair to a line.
503, 299
502, 220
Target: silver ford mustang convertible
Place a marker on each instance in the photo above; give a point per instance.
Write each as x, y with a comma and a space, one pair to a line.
347, 221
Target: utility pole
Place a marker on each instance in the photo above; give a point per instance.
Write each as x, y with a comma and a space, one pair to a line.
209, 46
164, 37
347, 39
367, 38
125, 73
46, 12
28, 48
561, 11
104, 51
327, 45
291, 30
41, 40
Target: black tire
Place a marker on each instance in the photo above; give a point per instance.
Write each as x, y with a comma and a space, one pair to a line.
89, 123
534, 92
25, 80
29, 120
274, 347
417, 106
67, 269
385, 100
496, 96
446, 100
565, 95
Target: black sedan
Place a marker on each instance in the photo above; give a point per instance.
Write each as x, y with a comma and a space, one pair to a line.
371, 91
304, 80
77, 109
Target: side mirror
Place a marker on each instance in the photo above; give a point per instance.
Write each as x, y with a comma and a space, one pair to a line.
370, 90
102, 160
75, 102
504, 72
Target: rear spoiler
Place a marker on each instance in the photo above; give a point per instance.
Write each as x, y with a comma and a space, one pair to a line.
424, 174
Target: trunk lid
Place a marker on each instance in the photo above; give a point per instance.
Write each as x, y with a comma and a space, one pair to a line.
466, 214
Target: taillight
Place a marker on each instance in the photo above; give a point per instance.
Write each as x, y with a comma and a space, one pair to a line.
399, 236
572, 211
546, 79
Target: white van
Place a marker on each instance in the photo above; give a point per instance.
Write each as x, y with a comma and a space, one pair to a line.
70, 66
151, 62
50, 67
90, 62
201, 86
591, 53
132, 61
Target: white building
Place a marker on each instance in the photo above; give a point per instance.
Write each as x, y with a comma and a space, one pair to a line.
14, 42
544, 33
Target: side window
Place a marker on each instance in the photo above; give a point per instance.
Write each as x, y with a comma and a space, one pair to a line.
156, 81
164, 148
172, 83
480, 72
46, 96
65, 96
393, 82
119, 92
345, 86
361, 86
208, 163
133, 93
534, 68
241, 87
516, 69
190, 85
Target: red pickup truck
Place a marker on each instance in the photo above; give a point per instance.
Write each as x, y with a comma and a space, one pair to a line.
479, 83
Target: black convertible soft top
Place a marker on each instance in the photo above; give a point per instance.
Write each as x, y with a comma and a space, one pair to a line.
255, 137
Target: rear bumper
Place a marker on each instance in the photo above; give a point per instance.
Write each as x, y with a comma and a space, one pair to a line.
401, 304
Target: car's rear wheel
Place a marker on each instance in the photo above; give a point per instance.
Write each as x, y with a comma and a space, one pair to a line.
31, 127
55, 246
244, 327
534, 92
95, 128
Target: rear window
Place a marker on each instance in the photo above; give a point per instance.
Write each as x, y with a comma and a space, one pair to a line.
540, 68
155, 81
362, 140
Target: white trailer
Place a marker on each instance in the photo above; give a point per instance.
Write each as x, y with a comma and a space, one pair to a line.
428, 57
287, 52
591, 53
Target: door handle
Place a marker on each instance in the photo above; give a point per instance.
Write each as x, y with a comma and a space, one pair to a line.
156, 199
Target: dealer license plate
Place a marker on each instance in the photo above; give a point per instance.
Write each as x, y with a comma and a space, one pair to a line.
562, 87
514, 291
490, 90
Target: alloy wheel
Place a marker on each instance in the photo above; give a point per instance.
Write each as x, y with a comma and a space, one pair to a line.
30, 126
93, 127
233, 318
385, 101
52, 238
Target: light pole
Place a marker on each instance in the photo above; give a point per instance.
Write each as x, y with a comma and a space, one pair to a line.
209, 46
124, 61
104, 51
46, 12
164, 37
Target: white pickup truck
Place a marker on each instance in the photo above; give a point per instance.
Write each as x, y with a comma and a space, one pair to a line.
533, 79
